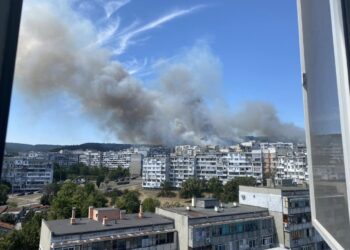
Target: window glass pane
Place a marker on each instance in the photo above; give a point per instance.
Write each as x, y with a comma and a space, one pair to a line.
324, 122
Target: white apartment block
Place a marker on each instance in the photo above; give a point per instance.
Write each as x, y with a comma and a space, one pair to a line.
181, 168
292, 167
64, 158
187, 150
113, 159
27, 173
209, 166
90, 158
155, 171
248, 164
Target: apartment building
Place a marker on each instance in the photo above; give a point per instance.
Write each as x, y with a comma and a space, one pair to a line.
64, 158
109, 228
135, 166
269, 156
207, 224
27, 173
90, 158
114, 159
181, 168
282, 148
292, 167
225, 166
155, 171
247, 164
187, 150
209, 165
290, 207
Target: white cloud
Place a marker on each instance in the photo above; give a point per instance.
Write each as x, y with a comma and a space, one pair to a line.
126, 36
112, 6
106, 34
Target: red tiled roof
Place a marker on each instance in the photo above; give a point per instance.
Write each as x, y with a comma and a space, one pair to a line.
3, 209
6, 225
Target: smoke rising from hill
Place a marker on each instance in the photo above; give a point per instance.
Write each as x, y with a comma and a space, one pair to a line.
57, 54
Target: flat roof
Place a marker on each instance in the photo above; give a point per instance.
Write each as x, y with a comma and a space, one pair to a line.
85, 225
277, 188
228, 209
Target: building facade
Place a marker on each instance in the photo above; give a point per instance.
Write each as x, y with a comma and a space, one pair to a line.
181, 168
290, 207
208, 225
27, 173
108, 229
155, 171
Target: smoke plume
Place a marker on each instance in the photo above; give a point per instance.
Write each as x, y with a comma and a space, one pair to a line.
57, 53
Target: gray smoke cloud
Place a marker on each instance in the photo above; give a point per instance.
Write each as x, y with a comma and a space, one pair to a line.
57, 54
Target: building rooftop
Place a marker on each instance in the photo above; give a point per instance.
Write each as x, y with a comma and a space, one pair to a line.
6, 225
85, 225
277, 188
228, 209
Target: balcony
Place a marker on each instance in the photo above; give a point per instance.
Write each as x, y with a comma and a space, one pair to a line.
296, 210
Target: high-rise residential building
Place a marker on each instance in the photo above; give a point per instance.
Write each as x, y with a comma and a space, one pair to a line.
187, 150
269, 157
290, 207
114, 159
64, 158
155, 171
182, 167
27, 173
324, 28
208, 166
292, 167
90, 158
238, 164
135, 166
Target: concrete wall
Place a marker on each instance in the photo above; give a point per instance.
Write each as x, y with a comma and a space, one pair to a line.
181, 225
271, 201
45, 237
269, 198
135, 164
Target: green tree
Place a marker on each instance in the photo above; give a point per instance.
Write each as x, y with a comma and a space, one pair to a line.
192, 187
166, 190
13, 241
59, 173
99, 180
129, 201
26, 239
215, 187
114, 194
8, 218
71, 195
4, 191
49, 191
150, 204
118, 173
231, 188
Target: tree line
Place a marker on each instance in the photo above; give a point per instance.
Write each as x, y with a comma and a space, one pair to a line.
95, 173
226, 193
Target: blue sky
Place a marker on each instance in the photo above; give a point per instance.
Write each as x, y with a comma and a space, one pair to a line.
256, 42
